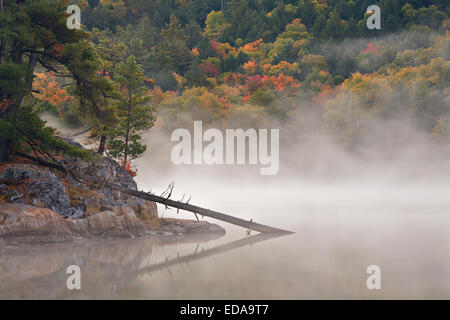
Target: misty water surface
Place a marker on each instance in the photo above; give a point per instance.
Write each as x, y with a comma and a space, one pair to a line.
340, 229
347, 213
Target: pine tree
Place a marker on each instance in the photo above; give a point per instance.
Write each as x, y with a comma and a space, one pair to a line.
110, 55
134, 111
174, 46
34, 34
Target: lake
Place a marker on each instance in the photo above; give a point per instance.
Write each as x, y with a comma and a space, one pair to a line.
340, 228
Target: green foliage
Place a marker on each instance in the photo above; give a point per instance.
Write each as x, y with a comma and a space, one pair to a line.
215, 24
134, 112
29, 133
174, 47
13, 80
219, 60
34, 35
262, 97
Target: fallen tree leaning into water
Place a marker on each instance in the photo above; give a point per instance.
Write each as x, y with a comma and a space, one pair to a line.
249, 225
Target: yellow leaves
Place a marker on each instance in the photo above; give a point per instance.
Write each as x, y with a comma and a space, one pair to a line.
314, 61
215, 24
225, 49
368, 89
359, 99
212, 82
178, 78
282, 67
227, 93
434, 73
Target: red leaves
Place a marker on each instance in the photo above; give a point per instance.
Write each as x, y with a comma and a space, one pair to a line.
210, 69
127, 166
57, 50
370, 48
253, 83
4, 104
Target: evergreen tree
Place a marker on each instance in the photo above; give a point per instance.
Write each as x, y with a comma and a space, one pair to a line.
110, 55
174, 46
134, 112
34, 34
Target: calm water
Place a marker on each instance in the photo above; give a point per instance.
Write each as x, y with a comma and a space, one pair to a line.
395, 215
338, 234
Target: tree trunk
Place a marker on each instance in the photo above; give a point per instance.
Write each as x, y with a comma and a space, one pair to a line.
102, 146
127, 135
248, 241
198, 210
5, 150
2, 43
250, 225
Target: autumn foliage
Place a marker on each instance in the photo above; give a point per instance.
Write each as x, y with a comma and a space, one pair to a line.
50, 90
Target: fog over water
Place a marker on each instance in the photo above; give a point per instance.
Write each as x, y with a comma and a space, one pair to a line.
363, 156
347, 211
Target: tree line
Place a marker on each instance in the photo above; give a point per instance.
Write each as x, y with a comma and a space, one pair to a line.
220, 61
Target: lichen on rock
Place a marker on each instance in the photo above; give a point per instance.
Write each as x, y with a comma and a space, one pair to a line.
70, 197
38, 204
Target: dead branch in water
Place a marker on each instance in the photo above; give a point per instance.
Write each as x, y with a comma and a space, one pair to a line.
249, 225
204, 212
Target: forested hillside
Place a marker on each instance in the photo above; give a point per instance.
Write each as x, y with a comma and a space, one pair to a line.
247, 63
219, 59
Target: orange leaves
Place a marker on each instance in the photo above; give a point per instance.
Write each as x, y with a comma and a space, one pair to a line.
246, 98
281, 83
222, 49
250, 67
149, 82
195, 52
327, 92
253, 49
104, 73
253, 46
50, 90
297, 21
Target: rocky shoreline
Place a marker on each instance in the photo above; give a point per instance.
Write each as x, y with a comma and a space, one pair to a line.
40, 205
21, 223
